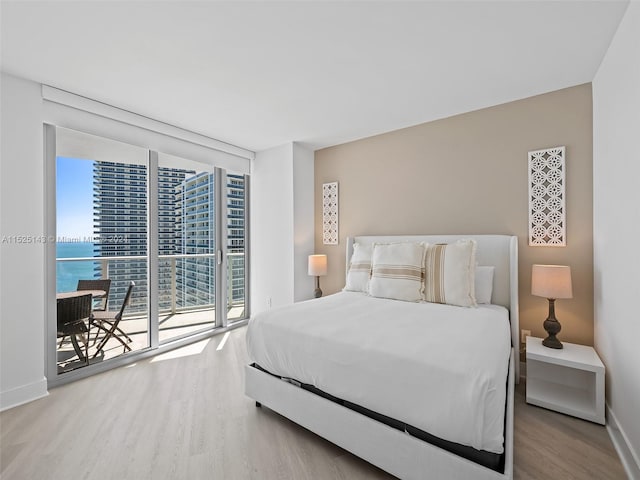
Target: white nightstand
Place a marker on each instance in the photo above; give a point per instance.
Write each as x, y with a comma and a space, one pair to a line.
568, 380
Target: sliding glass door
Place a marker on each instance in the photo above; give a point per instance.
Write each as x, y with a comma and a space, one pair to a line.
101, 245
169, 231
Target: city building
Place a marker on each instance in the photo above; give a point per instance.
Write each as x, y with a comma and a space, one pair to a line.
195, 234
194, 227
186, 209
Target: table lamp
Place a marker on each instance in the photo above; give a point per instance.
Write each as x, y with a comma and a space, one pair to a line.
551, 282
317, 268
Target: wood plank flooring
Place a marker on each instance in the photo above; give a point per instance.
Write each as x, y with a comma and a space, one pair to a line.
186, 417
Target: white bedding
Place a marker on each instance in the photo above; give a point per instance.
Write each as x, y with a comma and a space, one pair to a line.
440, 368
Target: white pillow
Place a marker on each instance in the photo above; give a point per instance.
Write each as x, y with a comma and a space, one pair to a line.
397, 271
359, 269
484, 284
450, 273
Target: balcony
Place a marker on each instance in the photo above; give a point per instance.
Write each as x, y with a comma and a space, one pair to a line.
186, 298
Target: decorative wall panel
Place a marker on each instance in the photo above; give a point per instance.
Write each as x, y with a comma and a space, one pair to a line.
330, 213
547, 219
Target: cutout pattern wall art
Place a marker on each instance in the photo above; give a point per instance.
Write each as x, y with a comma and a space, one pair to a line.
330, 213
547, 216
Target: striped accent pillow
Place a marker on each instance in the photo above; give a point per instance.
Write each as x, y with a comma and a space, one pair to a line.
359, 269
450, 273
397, 270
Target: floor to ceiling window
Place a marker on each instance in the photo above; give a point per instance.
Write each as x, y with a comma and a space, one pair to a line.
187, 245
101, 247
150, 249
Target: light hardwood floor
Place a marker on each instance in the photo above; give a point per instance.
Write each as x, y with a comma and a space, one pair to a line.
186, 417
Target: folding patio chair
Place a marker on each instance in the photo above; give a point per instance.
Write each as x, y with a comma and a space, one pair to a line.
108, 322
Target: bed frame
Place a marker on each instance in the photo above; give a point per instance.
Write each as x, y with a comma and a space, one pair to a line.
392, 450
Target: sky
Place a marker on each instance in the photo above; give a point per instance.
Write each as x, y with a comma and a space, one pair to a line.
74, 198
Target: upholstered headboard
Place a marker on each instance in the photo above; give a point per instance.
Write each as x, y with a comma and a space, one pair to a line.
500, 251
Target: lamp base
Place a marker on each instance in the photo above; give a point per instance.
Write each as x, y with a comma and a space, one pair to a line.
553, 327
552, 342
317, 293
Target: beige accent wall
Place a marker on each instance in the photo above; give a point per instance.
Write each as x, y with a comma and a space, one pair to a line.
468, 174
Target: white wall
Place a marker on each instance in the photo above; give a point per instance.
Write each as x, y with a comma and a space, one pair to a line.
281, 226
271, 228
303, 242
616, 125
22, 322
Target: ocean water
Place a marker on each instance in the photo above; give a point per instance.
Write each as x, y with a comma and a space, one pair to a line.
68, 273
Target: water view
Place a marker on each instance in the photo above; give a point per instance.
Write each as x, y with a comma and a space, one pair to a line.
68, 273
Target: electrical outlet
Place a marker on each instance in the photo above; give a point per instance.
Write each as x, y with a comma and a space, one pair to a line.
523, 335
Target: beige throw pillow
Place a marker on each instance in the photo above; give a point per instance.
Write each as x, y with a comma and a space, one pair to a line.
397, 270
359, 269
450, 273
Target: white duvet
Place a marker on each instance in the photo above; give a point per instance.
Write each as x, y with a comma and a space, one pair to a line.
440, 368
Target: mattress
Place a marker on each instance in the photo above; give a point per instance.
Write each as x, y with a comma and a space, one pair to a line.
439, 368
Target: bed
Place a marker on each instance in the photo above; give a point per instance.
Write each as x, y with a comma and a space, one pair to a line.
350, 368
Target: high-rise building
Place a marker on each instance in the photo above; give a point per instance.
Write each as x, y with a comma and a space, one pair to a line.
186, 225
195, 234
236, 196
120, 225
168, 242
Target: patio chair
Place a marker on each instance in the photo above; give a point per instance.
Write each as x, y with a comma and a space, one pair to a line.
108, 322
103, 284
72, 313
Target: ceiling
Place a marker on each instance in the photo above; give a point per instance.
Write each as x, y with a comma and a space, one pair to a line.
261, 74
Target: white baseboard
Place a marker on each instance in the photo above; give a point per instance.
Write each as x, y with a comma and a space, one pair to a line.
628, 457
23, 394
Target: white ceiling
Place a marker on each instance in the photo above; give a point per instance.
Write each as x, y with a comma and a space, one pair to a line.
263, 74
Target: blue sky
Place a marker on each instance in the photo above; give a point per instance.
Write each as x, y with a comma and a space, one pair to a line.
74, 197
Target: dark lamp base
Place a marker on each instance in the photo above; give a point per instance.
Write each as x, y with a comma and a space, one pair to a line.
552, 326
552, 342
317, 293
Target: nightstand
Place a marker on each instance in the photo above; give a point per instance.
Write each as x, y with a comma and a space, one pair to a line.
568, 380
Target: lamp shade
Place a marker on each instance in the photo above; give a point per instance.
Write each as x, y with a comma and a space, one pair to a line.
551, 281
317, 265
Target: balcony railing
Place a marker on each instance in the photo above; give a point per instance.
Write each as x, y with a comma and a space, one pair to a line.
183, 272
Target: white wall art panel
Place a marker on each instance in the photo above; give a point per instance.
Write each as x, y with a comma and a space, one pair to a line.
330, 213
547, 219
